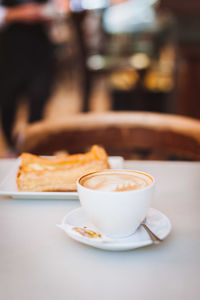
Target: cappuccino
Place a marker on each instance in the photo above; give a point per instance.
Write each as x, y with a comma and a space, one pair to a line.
116, 181
116, 201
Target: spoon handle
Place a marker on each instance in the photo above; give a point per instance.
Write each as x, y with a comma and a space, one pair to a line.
155, 239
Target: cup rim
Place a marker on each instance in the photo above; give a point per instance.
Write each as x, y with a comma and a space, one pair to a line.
116, 170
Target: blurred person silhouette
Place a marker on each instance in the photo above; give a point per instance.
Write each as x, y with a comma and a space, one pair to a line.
27, 59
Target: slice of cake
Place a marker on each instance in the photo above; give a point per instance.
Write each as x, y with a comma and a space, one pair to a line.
38, 174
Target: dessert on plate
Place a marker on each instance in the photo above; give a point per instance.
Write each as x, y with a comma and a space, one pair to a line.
58, 174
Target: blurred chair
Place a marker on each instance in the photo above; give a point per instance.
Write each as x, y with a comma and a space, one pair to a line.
134, 135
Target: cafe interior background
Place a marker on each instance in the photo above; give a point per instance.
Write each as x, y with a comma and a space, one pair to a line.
139, 55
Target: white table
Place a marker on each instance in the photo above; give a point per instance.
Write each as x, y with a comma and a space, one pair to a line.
39, 262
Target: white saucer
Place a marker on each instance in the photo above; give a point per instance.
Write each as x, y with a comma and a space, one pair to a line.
155, 220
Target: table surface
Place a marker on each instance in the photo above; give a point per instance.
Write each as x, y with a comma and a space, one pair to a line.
39, 261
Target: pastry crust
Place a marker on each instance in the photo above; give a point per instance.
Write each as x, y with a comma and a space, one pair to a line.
59, 174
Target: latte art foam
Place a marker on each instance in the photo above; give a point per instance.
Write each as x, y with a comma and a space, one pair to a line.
117, 181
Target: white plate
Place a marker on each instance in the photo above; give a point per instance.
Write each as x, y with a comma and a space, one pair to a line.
8, 187
155, 220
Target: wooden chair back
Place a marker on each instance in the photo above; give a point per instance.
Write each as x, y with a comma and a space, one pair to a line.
140, 135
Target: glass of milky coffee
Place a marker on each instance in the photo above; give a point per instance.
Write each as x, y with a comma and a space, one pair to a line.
116, 201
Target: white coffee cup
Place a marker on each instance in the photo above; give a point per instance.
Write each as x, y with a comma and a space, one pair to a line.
115, 213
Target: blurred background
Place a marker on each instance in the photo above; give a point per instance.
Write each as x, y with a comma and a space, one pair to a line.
137, 55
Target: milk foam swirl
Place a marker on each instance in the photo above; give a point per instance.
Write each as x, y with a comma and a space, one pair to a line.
117, 181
